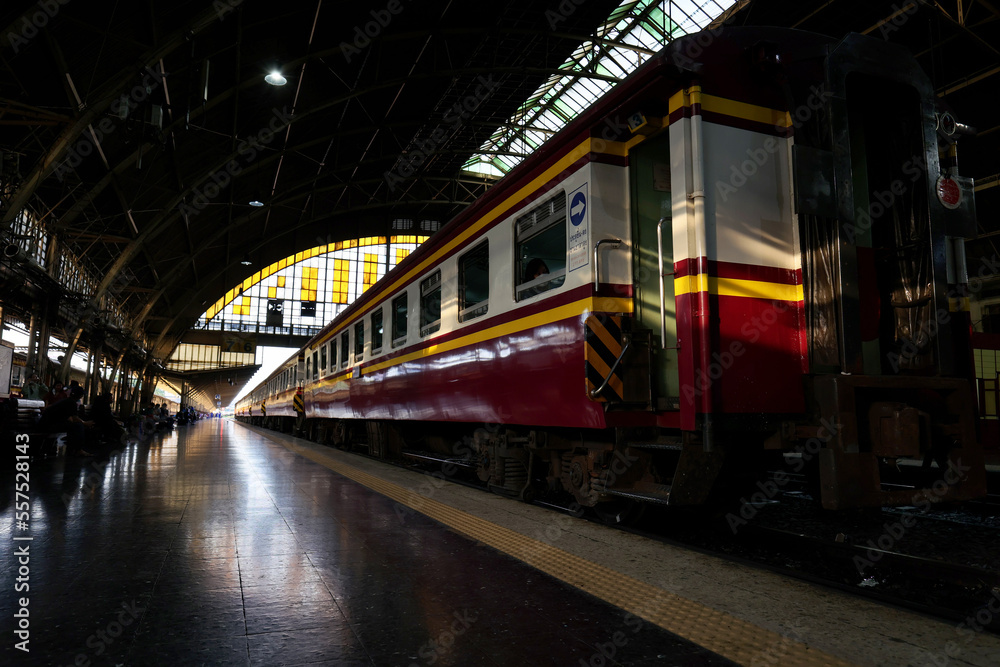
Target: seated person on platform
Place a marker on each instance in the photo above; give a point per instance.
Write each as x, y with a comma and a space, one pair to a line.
34, 389
63, 417
107, 426
57, 393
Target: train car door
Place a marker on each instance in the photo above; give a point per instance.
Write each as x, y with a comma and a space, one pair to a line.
649, 177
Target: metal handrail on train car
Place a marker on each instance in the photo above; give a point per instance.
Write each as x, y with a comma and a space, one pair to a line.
663, 302
614, 366
597, 262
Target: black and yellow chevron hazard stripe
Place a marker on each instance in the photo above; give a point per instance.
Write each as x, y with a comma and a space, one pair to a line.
603, 346
297, 403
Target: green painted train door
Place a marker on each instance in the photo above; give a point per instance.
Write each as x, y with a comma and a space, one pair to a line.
649, 175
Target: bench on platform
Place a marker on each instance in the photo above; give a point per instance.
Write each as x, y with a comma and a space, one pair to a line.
20, 416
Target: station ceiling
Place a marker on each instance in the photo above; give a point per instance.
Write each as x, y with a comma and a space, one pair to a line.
142, 132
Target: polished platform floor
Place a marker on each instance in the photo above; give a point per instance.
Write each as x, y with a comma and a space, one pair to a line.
219, 545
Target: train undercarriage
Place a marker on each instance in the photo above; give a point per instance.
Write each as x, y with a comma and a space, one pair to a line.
849, 451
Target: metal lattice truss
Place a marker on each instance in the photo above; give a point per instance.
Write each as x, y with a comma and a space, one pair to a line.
631, 34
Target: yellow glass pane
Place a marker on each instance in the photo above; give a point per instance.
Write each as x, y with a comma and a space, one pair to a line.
272, 292
281, 281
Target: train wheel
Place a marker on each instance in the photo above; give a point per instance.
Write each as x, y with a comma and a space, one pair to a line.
620, 512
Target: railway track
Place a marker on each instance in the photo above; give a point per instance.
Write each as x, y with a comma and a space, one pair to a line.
949, 590
874, 555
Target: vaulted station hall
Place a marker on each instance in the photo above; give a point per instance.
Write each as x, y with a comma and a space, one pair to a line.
417, 332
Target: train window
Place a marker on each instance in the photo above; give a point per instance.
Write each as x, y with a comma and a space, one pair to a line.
308, 366
322, 359
430, 304
474, 282
359, 341
541, 248
399, 320
315, 375
376, 330
345, 348
333, 354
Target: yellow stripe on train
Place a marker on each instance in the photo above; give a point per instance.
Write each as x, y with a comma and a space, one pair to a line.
756, 289
599, 304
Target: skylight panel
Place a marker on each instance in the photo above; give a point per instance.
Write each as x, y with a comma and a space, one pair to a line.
647, 25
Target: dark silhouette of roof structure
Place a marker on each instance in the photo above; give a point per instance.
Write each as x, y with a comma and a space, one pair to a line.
145, 136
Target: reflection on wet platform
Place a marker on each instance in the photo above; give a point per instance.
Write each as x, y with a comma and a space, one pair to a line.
214, 545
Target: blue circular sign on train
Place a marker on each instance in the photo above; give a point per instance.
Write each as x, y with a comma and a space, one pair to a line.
578, 208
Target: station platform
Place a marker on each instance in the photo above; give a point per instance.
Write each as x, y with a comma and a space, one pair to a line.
222, 544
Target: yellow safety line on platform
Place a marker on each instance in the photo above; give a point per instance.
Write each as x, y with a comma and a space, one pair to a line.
717, 631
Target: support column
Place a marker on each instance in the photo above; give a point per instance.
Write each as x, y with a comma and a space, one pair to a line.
95, 375
42, 360
109, 385
32, 360
87, 375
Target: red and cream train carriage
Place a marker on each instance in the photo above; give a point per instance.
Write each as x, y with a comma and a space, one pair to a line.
722, 275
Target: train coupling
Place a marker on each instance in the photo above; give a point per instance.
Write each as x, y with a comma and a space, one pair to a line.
868, 423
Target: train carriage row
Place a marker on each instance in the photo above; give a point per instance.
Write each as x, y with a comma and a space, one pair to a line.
751, 248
